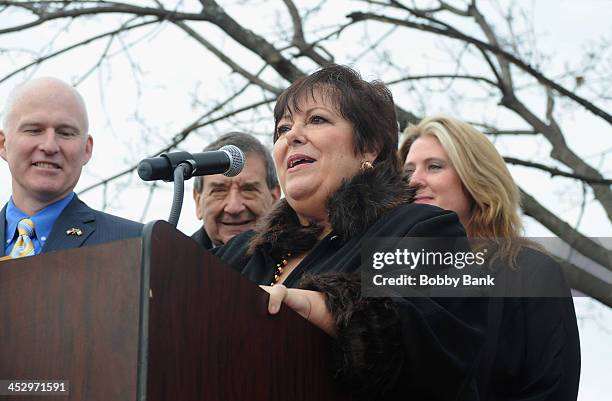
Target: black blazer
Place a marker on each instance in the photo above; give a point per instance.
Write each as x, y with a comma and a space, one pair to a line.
532, 349
97, 227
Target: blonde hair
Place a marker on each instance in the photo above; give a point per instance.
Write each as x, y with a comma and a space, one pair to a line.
485, 177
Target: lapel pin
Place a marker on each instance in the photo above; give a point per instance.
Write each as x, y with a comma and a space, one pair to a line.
74, 231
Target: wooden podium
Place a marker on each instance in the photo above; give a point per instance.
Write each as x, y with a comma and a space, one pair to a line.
154, 318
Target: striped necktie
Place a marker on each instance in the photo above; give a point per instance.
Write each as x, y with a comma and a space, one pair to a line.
24, 245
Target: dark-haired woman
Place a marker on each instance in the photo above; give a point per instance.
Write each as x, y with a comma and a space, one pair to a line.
335, 149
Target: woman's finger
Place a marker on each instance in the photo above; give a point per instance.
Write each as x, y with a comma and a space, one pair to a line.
277, 293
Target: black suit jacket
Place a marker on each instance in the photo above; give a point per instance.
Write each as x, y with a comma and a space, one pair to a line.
202, 238
96, 227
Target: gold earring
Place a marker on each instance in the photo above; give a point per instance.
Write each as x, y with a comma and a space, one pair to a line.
366, 165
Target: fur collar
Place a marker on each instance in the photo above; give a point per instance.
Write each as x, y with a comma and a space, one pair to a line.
357, 204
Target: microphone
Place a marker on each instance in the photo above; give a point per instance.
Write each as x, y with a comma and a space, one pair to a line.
229, 161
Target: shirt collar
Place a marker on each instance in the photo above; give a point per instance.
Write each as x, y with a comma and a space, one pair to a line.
43, 220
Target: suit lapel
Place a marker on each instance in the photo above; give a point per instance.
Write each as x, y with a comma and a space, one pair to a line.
76, 217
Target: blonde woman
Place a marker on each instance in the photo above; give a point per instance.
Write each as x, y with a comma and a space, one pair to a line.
532, 351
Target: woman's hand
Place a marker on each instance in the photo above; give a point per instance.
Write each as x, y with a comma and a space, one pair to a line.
309, 304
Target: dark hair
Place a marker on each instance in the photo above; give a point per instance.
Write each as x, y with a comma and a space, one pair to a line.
248, 144
368, 106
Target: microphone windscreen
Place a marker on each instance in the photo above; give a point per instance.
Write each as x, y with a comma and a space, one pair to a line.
237, 160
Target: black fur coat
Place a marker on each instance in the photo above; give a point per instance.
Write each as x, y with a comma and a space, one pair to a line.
388, 349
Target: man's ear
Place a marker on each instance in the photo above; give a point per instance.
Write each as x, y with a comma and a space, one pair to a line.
2, 145
276, 193
196, 199
88, 149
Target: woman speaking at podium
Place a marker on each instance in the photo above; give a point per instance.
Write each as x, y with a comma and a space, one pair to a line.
335, 149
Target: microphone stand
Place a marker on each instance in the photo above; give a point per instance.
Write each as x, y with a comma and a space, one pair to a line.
181, 172
184, 169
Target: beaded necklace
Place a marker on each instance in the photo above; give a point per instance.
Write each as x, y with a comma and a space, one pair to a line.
280, 266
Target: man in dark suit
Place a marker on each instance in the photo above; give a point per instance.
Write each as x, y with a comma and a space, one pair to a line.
228, 206
45, 141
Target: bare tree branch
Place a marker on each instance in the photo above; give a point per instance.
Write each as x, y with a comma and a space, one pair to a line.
556, 172
97, 63
511, 132
251, 41
87, 11
227, 60
587, 283
552, 131
581, 243
374, 45
561, 151
178, 138
360, 16
442, 76
454, 10
490, 35
299, 39
76, 45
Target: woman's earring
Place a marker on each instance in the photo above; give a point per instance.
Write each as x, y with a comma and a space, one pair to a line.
366, 165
